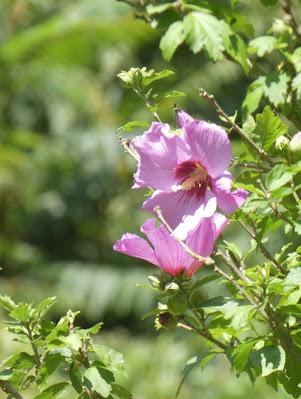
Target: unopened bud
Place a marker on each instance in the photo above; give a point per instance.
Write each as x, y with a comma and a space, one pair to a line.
167, 320
295, 143
281, 143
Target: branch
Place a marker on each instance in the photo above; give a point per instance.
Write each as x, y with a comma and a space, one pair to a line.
8, 388
238, 130
289, 17
129, 149
263, 249
207, 335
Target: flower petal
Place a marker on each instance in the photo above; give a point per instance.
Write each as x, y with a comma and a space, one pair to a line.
191, 222
160, 150
228, 201
176, 205
133, 245
183, 118
209, 145
202, 239
171, 255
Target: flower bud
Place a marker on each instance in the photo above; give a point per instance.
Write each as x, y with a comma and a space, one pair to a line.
281, 143
295, 143
167, 320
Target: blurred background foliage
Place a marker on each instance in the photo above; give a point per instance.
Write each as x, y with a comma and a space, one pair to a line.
64, 180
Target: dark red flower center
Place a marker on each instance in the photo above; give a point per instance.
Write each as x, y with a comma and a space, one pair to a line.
193, 177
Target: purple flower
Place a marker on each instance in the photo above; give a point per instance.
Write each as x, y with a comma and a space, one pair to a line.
187, 170
164, 251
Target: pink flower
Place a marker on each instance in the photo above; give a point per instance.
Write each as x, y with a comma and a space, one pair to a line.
187, 170
164, 251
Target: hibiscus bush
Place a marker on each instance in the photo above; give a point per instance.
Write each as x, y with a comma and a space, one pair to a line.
187, 169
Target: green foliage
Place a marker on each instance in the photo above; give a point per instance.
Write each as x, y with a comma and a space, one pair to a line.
92, 368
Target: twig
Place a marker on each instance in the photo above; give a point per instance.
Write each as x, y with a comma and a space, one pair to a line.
250, 165
220, 111
189, 327
206, 260
289, 17
263, 249
233, 267
8, 388
33, 345
268, 197
129, 149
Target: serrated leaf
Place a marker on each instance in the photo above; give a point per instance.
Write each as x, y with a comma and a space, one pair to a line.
54, 391
240, 355
21, 312
276, 87
268, 128
111, 358
94, 381
205, 31
269, 359
278, 177
43, 307
296, 85
262, 45
172, 39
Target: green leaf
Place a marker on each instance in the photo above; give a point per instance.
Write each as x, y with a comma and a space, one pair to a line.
6, 375
147, 80
276, 87
293, 277
43, 307
50, 363
230, 246
94, 381
54, 391
172, 39
253, 97
278, 177
262, 45
128, 127
296, 85
19, 361
240, 355
235, 311
158, 9
121, 392
269, 359
21, 312
294, 310
268, 128
75, 377
174, 93
236, 48
111, 358
200, 360
7, 303
205, 31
